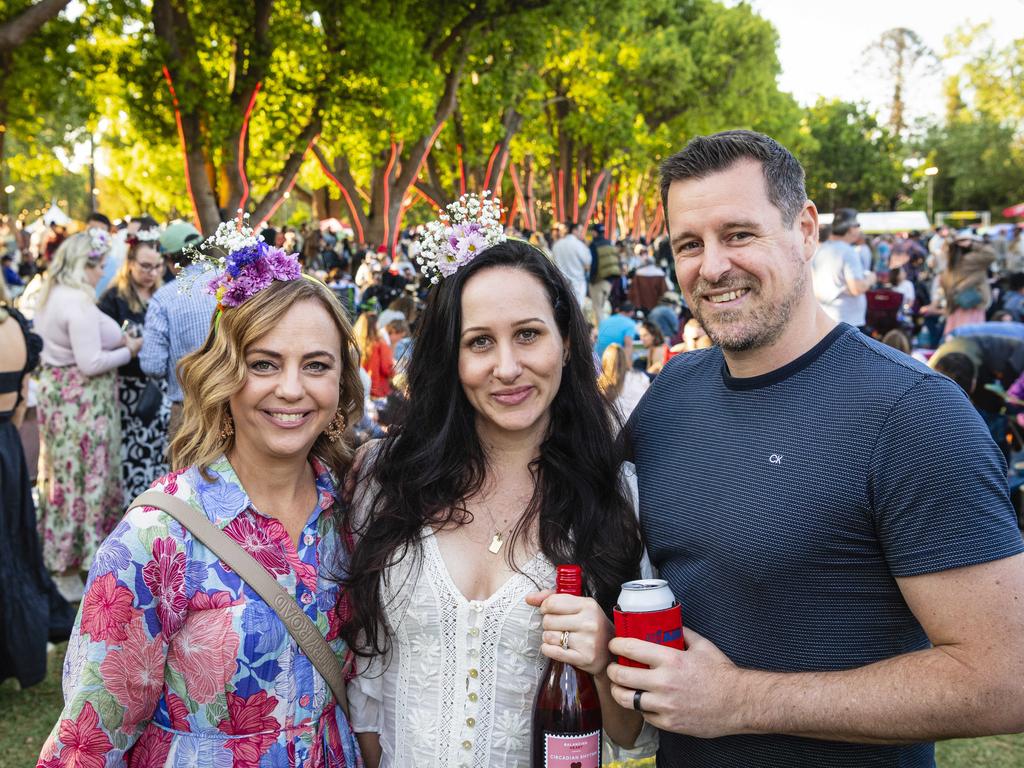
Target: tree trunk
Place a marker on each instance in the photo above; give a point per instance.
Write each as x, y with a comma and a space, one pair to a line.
16, 31
5, 203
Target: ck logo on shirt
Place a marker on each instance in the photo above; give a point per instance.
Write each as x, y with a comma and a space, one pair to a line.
775, 458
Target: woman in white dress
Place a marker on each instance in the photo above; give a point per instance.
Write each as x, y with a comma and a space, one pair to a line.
503, 468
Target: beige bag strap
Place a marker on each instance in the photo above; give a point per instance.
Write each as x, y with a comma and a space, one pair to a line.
255, 575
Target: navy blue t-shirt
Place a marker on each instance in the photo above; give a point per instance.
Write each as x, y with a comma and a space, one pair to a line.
781, 508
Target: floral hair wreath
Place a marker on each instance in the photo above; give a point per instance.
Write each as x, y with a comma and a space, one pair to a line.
99, 243
245, 262
464, 228
143, 236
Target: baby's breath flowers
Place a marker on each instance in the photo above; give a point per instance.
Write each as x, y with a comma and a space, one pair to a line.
465, 228
246, 264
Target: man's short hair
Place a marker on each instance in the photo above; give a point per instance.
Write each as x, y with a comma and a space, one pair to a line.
960, 368
705, 155
625, 308
99, 218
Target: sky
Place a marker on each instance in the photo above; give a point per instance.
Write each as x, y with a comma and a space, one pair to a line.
822, 42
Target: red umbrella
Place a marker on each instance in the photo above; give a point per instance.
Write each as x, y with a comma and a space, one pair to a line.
1014, 211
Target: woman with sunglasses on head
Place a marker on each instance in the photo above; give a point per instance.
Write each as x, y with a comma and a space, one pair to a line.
142, 404
502, 469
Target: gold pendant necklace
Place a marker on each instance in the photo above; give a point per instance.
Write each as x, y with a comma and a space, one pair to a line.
496, 543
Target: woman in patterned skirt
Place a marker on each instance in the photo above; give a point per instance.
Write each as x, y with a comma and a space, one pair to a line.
142, 434
175, 660
79, 479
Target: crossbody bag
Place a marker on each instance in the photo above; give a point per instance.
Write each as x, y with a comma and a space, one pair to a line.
255, 575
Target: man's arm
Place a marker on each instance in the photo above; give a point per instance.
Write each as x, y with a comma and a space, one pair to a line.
156, 341
971, 683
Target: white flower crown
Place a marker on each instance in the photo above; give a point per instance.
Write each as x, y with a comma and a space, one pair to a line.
465, 228
99, 241
147, 235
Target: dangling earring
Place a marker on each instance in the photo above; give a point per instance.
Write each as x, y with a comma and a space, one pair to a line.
336, 429
227, 426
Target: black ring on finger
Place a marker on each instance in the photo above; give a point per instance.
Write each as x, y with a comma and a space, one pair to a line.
636, 700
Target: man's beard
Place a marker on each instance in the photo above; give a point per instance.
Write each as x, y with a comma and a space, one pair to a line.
742, 330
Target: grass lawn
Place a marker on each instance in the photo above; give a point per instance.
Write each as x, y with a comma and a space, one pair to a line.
27, 716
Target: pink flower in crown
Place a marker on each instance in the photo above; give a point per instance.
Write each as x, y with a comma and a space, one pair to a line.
107, 609
283, 266
165, 578
135, 673
85, 743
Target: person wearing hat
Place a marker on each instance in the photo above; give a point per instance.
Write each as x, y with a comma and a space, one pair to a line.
177, 321
604, 267
841, 281
964, 283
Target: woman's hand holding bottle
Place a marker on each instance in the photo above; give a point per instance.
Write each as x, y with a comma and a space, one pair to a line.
589, 630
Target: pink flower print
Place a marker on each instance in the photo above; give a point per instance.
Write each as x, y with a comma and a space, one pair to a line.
135, 673
57, 497
205, 651
78, 510
276, 532
107, 609
85, 743
151, 750
178, 712
165, 577
71, 391
255, 540
252, 718
203, 602
169, 482
333, 625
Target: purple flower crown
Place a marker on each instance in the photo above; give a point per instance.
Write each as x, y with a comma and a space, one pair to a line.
246, 264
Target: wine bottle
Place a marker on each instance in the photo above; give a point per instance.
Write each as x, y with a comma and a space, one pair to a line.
566, 712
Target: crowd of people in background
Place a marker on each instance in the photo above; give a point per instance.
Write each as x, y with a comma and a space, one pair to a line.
117, 307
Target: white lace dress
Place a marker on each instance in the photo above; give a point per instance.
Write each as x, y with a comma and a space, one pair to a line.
457, 688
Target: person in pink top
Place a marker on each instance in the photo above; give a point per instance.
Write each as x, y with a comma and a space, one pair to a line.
79, 483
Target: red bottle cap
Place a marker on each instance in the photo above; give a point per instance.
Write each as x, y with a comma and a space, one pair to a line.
569, 580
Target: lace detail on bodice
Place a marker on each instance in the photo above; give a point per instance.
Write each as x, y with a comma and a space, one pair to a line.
460, 685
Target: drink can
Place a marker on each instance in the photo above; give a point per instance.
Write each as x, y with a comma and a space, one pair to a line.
648, 610
645, 595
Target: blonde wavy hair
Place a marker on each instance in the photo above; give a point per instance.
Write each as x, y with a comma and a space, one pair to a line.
68, 266
614, 367
215, 372
123, 282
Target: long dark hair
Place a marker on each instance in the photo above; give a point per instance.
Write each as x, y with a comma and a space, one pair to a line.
427, 468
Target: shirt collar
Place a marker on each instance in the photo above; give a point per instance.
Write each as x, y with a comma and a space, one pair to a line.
223, 498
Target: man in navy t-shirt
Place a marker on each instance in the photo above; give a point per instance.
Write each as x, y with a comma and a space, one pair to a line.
832, 515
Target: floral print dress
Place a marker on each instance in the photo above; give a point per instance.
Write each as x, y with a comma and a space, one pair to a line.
176, 662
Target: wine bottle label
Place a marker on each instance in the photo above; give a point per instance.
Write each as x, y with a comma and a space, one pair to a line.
572, 750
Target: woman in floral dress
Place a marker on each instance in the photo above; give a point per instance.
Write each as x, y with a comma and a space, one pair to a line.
174, 660
79, 480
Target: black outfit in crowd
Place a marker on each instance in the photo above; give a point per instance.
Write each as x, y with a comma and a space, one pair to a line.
31, 609
142, 439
